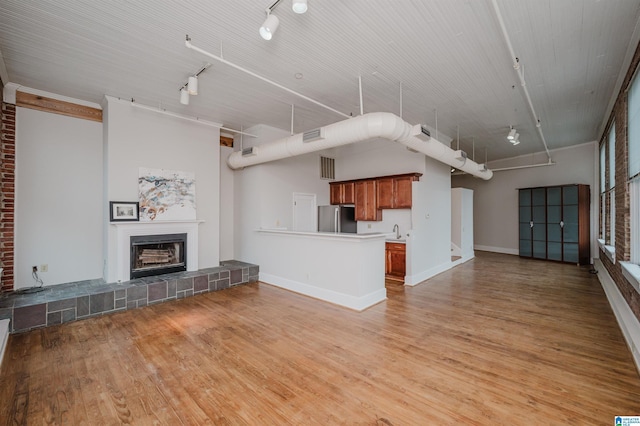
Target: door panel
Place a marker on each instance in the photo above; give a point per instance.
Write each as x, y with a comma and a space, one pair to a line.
525, 214
554, 196
540, 249
570, 194
570, 252
538, 197
525, 231
554, 232
539, 232
570, 233
525, 248
554, 214
524, 197
555, 251
539, 214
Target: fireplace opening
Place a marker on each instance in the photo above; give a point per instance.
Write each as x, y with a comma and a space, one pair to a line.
158, 254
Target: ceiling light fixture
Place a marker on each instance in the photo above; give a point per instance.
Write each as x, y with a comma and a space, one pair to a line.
184, 96
299, 6
191, 86
512, 134
516, 140
269, 26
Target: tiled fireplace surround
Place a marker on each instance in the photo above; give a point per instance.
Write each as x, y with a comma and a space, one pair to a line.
73, 301
62, 303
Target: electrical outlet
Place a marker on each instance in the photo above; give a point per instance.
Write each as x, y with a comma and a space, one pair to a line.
34, 269
44, 268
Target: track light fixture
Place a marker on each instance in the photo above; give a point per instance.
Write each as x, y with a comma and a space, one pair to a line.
191, 86
512, 134
184, 96
299, 6
269, 26
271, 23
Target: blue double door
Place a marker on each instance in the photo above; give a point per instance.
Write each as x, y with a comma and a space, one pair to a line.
549, 223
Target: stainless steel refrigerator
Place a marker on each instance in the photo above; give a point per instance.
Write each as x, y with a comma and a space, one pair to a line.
340, 219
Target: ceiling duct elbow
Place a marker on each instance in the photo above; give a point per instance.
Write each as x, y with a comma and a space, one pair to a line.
313, 135
421, 132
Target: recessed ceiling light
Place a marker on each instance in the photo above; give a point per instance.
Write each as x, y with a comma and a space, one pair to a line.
299, 75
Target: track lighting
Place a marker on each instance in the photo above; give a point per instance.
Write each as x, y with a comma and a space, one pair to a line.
192, 85
512, 134
184, 96
269, 26
299, 6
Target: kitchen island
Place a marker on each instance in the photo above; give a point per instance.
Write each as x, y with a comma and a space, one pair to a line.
345, 269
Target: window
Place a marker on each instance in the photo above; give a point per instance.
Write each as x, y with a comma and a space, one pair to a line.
633, 153
603, 192
612, 185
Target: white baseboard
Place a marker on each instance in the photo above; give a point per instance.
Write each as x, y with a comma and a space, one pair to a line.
4, 337
348, 301
462, 260
629, 324
502, 250
415, 279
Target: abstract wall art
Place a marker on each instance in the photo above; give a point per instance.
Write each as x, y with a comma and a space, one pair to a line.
166, 195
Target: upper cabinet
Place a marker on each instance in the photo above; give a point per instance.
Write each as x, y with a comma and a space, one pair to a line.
366, 206
342, 192
372, 195
394, 192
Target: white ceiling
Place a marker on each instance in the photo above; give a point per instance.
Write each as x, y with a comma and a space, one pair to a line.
449, 56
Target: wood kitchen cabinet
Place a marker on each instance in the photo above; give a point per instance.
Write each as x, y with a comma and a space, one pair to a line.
396, 260
342, 193
365, 200
394, 192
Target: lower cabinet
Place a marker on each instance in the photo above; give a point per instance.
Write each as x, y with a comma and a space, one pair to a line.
396, 261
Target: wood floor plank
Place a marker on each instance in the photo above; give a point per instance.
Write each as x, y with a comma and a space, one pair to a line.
496, 340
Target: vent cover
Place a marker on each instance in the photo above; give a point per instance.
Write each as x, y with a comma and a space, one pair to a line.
249, 151
313, 135
421, 131
327, 168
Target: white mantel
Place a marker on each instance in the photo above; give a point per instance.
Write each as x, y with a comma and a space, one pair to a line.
126, 230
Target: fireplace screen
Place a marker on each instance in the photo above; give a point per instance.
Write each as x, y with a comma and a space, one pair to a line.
158, 254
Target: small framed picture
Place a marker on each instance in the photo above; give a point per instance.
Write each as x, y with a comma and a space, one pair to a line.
123, 211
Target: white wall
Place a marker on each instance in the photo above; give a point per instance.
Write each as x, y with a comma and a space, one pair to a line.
58, 212
496, 201
226, 206
137, 138
429, 245
462, 222
264, 193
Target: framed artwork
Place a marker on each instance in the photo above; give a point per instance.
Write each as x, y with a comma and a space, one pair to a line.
166, 195
124, 211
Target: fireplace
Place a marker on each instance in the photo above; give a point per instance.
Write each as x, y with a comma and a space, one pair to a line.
158, 254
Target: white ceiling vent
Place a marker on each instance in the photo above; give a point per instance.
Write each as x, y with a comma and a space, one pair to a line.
247, 152
421, 131
327, 168
313, 135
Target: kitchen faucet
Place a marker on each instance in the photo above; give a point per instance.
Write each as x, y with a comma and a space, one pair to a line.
396, 229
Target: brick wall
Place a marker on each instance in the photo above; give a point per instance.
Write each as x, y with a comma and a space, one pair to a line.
7, 191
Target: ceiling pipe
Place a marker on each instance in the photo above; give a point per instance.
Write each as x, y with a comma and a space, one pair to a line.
266, 80
364, 127
516, 67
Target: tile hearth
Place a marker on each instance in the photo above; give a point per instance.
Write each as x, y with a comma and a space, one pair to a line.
62, 303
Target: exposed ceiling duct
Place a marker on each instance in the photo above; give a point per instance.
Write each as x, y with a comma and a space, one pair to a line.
364, 127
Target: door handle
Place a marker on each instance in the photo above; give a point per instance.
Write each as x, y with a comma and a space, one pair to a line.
561, 224
531, 224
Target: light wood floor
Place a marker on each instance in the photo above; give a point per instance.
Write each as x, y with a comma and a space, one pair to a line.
497, 340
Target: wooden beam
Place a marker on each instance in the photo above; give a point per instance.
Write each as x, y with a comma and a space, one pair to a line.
226, 141
55, 106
